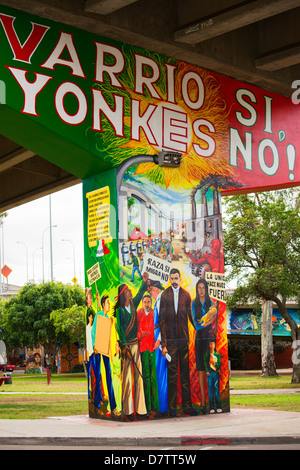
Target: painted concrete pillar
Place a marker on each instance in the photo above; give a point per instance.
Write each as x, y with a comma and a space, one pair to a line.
144, 218
99, 107
128, 293
123, 215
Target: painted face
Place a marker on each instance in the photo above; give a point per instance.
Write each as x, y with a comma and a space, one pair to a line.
128, 294
147, 304
175, 280
89, 299
37, 359
106, 305
154, 291
31, 365
201, 290
215, 246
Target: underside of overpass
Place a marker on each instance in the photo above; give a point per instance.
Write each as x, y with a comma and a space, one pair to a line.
257, 42
25, 176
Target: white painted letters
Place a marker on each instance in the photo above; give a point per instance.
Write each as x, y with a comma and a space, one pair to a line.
30, 89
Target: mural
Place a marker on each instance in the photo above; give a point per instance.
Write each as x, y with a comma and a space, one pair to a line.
156, 323
155, 141
96, 102
33, 361
155, 296
247, 321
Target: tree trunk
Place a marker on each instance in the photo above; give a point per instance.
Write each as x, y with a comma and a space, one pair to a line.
268, 365
84, 368
295, 335
50, 351
296, 356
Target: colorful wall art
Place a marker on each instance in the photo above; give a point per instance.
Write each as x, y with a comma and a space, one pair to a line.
245, 321
96, 102
156, 142
156, 322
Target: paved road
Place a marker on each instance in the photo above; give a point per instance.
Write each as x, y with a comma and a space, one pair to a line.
154, 454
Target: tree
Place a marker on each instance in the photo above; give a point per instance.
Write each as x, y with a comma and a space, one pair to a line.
26, 317
262, 251
10, 340
70, 325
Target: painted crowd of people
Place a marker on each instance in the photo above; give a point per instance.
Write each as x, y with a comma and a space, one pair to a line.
151, 353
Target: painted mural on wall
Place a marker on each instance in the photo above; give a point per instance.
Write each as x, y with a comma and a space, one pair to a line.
172, 282
96, 103
246, 321
156, 323
109, 101
33, 361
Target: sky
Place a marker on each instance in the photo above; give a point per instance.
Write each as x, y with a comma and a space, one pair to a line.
25, 237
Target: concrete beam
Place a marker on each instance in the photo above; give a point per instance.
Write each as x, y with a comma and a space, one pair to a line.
11, 159
105, 7
11, 201
279, 60
231, 19
179, 50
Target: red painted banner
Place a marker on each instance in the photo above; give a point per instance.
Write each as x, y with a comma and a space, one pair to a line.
264, 144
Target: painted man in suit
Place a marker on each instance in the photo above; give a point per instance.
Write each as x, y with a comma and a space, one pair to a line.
175, 310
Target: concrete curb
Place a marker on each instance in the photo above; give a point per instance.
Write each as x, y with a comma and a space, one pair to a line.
241, 440
148, 442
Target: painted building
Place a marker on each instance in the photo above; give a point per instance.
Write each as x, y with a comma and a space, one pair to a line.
244, 328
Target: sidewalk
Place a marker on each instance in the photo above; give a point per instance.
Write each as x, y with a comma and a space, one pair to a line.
238, 426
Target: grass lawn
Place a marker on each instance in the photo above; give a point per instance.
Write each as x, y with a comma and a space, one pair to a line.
257, 382
29, 401
59, 383
42, 400
41, 407
281, 402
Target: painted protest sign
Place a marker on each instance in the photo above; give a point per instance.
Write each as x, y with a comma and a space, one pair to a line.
158, 269
216, 285
93, 274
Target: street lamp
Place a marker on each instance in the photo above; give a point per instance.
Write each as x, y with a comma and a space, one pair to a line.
51, 256
169, 159
2, 216
66, 240
1, 225
26, 257
33, 260
163, 158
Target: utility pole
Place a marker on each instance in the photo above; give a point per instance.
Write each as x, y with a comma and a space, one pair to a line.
51, 255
